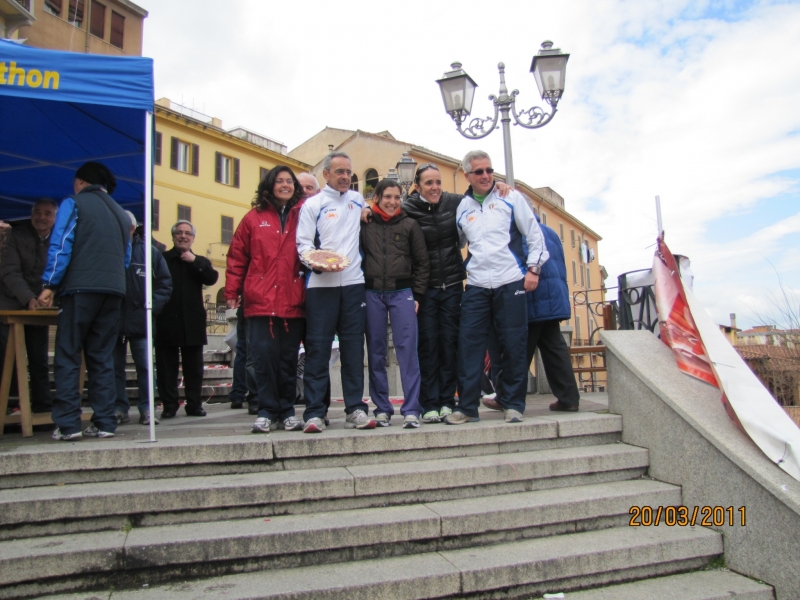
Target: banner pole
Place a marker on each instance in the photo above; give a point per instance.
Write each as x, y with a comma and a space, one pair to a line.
658, 217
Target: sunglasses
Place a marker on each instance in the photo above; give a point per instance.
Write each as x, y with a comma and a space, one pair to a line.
480, 172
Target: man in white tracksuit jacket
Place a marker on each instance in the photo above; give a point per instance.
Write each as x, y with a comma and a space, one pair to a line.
506, 253
335, 299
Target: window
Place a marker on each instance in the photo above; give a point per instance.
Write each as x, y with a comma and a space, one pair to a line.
561, 232
578, 332
156, 213
117, 29
582, 282
262, 173
572, 237
544, 218
227, 230
371, 180
53, 7
97, 22
184, 213
157, 149
354, 183
76, 13
588, 278
227, 170
184, 157
574, 273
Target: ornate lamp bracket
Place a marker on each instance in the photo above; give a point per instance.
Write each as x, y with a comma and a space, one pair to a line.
478, 128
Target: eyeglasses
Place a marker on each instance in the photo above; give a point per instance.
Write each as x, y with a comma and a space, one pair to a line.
426, 166
480, 172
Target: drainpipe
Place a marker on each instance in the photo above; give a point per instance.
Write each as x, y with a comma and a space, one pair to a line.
87, 13
455, 179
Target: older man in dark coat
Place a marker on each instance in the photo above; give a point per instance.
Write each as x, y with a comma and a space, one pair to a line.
22, 263
182, 324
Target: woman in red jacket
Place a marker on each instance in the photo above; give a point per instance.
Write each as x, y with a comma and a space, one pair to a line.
264, 272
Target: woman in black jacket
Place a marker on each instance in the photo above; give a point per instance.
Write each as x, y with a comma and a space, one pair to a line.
439, 312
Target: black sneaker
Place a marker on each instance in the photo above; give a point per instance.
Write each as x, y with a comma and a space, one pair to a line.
123, 418
252, 409
169, 413
196, 411
235, 404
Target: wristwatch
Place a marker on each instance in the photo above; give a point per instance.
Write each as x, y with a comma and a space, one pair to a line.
535, 269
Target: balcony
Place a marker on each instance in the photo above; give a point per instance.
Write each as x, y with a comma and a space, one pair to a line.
16, 14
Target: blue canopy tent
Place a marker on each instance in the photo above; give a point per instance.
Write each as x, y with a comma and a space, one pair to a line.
59, 110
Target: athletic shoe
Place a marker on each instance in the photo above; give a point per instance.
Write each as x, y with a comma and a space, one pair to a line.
327, 421
315, 425
123, 418
444, 411
411, 422
459, 418
237, 404
144, 419
252, 409
561, 407
490, 402
66, 437
169, 413
93, 431
358, 419
432, 416
292, 424
194, 411
262, 425
513, 416
383, 420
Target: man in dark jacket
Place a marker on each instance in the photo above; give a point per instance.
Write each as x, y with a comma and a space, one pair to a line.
21, 266
182, 324
133, 324
90, 248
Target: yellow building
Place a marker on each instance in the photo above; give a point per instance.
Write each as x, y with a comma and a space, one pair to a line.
208, 175
112, 27
373, 154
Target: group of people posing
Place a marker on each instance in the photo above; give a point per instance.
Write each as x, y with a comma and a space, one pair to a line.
404, 266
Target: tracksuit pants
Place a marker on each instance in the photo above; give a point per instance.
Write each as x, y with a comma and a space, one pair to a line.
438, 318
273, 344
506, 309
139, 351
244, 387
555, 357
89, 323
334, 311
167, 369
398, 306
36, 342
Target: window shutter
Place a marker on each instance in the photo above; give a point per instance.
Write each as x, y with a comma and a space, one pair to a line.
262, 173
97, 21
173, 159
195, 159
157, 157
236, 172
117, 29
217, 167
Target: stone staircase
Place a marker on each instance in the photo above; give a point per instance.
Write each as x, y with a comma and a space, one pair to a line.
486, 510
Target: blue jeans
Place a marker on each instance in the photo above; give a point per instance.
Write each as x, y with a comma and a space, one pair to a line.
505, 308
244, 387
439, 318
139, 354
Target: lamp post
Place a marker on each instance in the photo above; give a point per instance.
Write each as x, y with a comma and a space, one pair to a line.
406, 168
393, 175
458, 91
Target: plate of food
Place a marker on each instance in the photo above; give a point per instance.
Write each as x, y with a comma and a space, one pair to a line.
322, 259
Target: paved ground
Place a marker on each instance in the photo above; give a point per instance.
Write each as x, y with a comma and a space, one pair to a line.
222, 420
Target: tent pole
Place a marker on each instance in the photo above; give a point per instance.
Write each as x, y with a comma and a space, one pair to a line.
148, 260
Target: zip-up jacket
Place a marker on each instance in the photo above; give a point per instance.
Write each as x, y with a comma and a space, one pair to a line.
332, 221
503, 236
90, 245
22, 263
263, 265
395, 257
550, 300
438, 223
133, 315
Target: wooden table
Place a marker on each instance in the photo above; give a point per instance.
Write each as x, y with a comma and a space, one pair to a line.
16, 320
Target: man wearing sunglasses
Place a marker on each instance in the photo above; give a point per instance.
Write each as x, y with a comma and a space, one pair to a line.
506, 254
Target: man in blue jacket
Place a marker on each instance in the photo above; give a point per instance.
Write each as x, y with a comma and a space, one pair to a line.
90, 248
133, 324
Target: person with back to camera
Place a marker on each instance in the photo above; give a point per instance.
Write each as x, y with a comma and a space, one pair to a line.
265, 273
395, 263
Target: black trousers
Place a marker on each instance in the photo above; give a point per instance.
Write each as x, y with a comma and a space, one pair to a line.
36, 340
555, 357
167, 375
87, 322
243, 379
438, 321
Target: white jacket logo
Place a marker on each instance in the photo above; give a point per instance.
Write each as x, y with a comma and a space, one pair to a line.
518, 292
264, 224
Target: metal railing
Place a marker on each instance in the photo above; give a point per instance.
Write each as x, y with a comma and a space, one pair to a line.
215, 317
26, 4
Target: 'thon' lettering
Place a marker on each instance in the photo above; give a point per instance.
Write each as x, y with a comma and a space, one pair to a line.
11, 74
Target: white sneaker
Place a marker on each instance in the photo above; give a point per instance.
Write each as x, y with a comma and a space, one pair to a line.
358, 419
513, 416
261, 425
292, 424
411, 422
315, 425
383, 420
66, 437
93, 431
432, 416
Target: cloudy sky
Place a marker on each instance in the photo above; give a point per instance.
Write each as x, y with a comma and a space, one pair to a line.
696, 101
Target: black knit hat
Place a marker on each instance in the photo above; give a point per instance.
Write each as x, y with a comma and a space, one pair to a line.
96, 173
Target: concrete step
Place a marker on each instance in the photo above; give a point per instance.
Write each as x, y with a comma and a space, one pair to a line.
516, 569
150, 554
701, 585
110, 460
50, 510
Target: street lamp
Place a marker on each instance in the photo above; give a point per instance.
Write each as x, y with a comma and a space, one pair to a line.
406, 169
393, 175
458, 91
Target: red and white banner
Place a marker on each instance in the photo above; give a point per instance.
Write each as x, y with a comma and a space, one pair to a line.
702, 351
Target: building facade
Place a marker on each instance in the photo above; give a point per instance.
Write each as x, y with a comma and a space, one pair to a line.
208, 175
112, 27
373, 154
